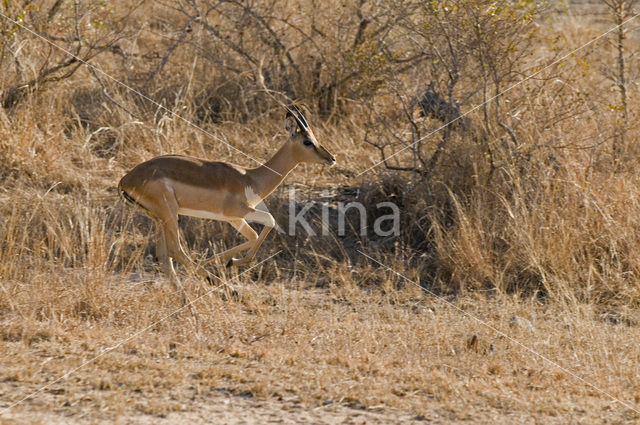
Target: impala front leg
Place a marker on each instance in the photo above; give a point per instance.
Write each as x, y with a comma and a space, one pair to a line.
269, 223
245, 230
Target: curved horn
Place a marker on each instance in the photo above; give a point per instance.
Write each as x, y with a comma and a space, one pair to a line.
302, 123
302, 118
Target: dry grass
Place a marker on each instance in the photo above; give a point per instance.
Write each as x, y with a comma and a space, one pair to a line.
543, 249
340, 345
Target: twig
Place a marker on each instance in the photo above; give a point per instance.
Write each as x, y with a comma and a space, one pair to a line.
511, 133
106, 93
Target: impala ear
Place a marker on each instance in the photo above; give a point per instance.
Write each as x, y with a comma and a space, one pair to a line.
290, 124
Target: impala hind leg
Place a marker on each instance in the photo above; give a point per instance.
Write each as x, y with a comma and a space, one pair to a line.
168, 221
164, 257
166, 264
174, 248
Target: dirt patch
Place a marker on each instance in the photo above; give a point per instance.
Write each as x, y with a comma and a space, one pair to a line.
231, 410
219, 408
287, 354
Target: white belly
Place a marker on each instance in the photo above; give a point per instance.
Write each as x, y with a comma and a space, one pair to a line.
202, 214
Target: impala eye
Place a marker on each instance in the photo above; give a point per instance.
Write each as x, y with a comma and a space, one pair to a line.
307, 142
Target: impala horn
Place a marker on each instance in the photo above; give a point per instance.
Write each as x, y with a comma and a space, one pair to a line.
297, 115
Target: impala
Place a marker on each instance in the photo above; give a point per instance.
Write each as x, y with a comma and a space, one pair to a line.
168, 186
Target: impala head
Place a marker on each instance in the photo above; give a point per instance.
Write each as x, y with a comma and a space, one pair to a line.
304, 143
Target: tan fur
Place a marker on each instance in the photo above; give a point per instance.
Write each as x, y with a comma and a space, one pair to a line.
169, 185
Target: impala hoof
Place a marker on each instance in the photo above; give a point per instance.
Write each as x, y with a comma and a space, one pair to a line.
234, 295
230, 262
209, 280
229, 295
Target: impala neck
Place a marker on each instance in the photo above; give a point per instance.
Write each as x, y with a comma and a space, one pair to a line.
264, 180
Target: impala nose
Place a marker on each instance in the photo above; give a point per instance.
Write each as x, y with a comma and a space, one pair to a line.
325, 155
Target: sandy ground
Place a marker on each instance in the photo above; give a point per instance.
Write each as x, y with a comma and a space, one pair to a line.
223, 408
238, 410
243, 380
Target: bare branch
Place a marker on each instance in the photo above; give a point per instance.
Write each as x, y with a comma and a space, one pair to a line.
108, 96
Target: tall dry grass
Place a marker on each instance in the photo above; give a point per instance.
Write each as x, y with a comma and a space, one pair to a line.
551, 216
